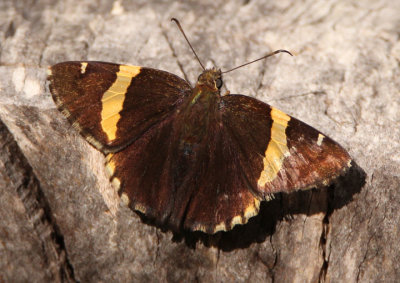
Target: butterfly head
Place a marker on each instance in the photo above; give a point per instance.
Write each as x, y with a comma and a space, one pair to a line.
210, 78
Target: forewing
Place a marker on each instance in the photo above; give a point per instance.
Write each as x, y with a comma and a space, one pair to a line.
279, 153
112, 104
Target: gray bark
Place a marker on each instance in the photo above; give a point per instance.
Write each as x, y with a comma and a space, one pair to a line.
62, 221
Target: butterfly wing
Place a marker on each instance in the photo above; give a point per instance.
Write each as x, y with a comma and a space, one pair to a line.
252, 151
280, 153
222, 196
248, 151
112, 104
184, 164
185, 172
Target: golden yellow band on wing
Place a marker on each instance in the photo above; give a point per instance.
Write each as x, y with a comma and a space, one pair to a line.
277, 148
113, 100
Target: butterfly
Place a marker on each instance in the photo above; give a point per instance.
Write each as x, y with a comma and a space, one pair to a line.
189, 157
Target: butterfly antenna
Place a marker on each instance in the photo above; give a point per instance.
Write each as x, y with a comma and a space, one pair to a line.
187, 40
266, 56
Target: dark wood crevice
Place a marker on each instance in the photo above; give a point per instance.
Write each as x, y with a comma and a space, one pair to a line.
25, 184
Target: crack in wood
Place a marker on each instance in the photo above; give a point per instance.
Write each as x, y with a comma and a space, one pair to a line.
27, 187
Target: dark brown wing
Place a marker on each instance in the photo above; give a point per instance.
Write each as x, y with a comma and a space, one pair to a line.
216, 179
200, 162
198, 186
112, 104
280, 153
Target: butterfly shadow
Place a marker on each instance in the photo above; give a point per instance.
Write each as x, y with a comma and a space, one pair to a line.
283, 206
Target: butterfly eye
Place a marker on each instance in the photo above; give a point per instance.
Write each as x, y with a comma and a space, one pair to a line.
218, 83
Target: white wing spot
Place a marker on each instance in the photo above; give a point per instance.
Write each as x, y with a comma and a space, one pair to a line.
320, 139
125, 199
83, 67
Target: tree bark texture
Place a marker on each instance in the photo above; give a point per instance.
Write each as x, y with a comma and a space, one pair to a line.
61, 220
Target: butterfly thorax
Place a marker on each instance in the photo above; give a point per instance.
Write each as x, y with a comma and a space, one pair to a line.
200, 114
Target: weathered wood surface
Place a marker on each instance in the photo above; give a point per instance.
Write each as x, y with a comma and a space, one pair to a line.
62, 221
